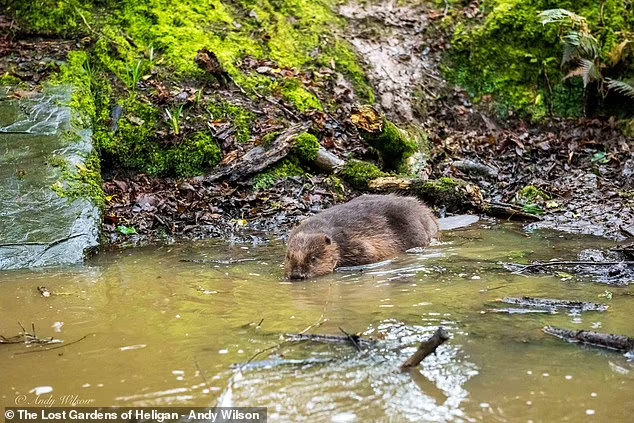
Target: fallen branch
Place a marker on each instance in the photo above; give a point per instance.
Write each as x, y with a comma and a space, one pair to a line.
597, 339
553, 304
454, 194
524, 267
229, 261
425, 348
57, 347
352, 339
27, 338
258, 158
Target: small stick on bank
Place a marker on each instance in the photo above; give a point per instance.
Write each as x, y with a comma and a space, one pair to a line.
425, 348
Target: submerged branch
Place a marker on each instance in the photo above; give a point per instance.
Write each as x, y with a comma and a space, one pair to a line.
553, 304
597, 339
523, 267
425, 348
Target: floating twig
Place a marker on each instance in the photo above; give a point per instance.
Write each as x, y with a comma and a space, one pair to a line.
57, 347
522, 310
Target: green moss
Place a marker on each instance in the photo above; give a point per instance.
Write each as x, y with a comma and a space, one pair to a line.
513, 62
135, 39
532, 194
286, 169
241, 118
82, 181
292, 91
445, 192
53, 17
269, 138
393, 144
8, 79
293, 33
306, 147
199, 153
358, 173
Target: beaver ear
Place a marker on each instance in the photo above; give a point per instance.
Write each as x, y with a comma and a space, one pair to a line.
327, 239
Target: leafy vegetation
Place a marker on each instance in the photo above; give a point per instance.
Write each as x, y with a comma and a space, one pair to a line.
582, 52
288, 168
511, 60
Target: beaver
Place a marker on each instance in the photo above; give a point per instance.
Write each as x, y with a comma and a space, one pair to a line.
367, 229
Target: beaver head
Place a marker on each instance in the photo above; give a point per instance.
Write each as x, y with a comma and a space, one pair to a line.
309, 255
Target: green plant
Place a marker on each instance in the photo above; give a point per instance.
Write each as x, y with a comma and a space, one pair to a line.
126, 230
533, 209
174, 118
583, 53
134, 74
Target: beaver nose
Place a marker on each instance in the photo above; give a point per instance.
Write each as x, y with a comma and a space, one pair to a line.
297, 274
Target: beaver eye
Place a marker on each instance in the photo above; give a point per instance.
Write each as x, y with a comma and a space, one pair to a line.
313, 259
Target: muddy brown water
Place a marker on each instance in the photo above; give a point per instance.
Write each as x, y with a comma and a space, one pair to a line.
162, 332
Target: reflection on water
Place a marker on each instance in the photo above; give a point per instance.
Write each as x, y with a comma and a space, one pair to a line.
160, 331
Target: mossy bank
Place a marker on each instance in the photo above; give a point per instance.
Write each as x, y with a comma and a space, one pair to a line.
150, 101
511, 63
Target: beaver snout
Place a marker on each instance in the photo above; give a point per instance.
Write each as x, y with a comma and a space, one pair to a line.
297, 274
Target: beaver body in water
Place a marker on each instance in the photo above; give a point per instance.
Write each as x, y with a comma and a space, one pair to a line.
368, 229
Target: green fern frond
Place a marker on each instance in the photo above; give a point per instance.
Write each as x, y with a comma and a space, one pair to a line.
587, 70
620, 86
589, 46
570, 54
586, 45
561, 16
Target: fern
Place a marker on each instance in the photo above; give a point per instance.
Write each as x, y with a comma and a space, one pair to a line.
621, 87
557, 16
587, 70
570, 54
560, 16
586, 45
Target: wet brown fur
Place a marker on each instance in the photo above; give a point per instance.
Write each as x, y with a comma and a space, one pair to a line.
368, 229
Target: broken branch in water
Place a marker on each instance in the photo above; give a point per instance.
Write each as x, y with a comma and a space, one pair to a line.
27, 338
523, 267
425, 348
554, 304
352, 339
57, 347
355, 340
597, 339
229, 261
